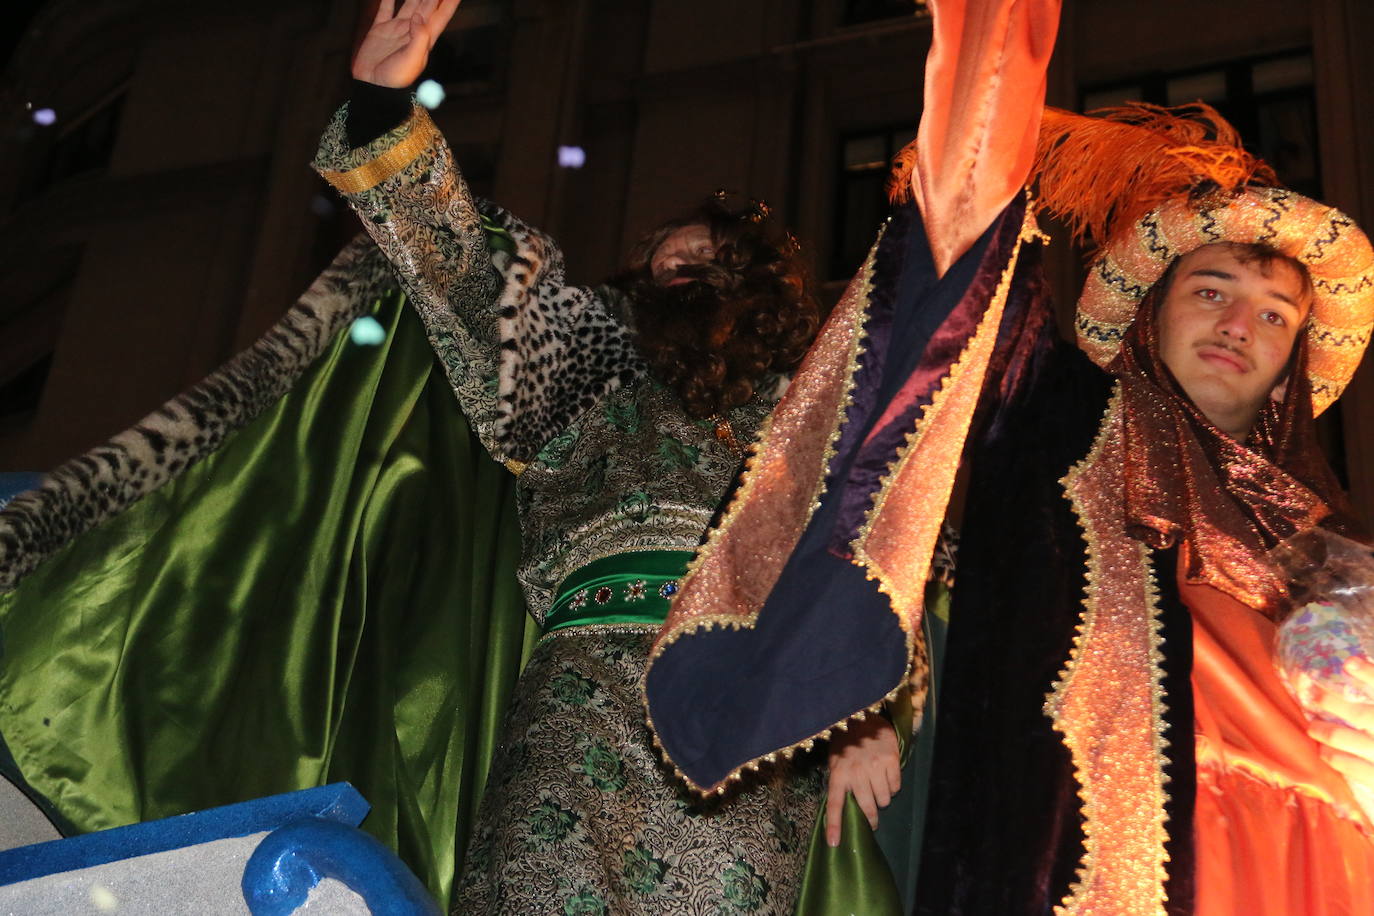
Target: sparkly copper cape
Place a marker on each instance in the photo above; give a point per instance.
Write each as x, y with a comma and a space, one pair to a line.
1223, 502
817, 570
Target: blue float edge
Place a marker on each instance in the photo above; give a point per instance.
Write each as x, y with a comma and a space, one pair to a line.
338, 802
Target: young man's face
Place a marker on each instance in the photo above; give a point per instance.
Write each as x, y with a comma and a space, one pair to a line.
686, 246
1226, 330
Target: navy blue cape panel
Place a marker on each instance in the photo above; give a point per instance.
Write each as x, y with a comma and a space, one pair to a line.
826, 643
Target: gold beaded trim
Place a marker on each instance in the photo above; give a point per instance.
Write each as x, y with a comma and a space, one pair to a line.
373, 172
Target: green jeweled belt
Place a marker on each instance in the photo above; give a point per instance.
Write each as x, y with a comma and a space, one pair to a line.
634, 587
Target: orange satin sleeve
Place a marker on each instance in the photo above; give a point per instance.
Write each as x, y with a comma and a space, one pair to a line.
984, 93
1277, 830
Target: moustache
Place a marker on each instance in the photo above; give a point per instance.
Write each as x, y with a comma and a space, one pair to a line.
1228, 347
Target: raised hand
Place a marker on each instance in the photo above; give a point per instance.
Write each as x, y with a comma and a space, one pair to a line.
863, 760
395, 50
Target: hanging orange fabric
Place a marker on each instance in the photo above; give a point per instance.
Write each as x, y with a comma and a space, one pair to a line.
984, 91
1278, 831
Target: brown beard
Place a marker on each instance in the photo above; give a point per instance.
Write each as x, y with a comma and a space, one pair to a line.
748, 314
713, 340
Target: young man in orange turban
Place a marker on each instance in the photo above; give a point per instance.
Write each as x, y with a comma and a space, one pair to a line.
1113, 737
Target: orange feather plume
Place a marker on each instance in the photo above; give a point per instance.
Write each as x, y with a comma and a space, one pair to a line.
899, 176
1101, 172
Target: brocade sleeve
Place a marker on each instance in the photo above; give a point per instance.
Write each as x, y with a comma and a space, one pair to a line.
524, 352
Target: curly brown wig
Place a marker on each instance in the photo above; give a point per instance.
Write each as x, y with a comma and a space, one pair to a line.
750, 314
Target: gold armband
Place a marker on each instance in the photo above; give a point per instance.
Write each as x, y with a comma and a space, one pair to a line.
375, 171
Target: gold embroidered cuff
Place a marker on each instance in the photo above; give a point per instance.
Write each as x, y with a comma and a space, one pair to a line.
373, 172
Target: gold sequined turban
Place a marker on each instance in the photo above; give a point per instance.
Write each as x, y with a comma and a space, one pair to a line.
1150, 185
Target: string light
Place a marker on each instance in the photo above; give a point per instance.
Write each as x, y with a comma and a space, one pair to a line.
430, 94
367, 331
572, 157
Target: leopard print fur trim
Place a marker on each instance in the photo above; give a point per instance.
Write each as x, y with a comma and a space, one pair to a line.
92, 487
563, 348
506, 316
426, 223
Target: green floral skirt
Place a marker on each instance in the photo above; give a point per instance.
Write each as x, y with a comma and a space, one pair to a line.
581, 817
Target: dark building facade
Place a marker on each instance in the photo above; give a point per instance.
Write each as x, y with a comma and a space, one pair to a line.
166, 217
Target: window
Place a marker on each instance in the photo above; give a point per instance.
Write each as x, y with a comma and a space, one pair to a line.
20, 393
81, 147
18, 17
1269, 99
860, 11
30, 320
864, 163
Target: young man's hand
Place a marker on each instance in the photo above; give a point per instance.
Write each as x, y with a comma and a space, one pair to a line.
1349, 748
395, 50
863, 760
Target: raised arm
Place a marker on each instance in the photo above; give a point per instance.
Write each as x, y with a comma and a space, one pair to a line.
984, 93
842, 579
523, 352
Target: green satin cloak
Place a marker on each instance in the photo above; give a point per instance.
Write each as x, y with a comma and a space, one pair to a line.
329, 596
